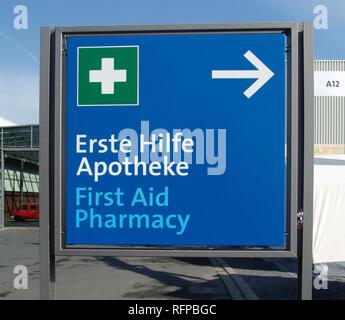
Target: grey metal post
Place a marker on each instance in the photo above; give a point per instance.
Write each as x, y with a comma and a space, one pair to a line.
47, 258
307, 111
31, 136
21, 184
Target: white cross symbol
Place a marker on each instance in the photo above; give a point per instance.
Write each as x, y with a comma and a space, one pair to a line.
107, 76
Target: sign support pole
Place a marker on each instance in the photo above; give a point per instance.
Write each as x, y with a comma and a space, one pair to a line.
305, 263
47, 258
308, 163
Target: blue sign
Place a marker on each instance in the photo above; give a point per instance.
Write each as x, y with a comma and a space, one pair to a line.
176, 139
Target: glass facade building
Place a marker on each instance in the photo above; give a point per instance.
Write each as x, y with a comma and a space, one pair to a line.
19, 146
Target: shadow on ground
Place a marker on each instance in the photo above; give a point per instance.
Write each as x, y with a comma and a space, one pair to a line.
182, 286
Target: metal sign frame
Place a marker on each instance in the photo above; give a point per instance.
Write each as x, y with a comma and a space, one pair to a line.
52, 137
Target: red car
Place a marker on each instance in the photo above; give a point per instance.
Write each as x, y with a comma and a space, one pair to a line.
28, 211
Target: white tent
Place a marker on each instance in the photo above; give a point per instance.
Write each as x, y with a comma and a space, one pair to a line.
6, 123
329, 209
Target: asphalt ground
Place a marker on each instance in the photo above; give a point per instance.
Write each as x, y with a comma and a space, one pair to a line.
151, 278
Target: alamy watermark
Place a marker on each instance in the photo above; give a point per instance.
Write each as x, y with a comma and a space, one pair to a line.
321, 19
21, 19
20, 282
321, 280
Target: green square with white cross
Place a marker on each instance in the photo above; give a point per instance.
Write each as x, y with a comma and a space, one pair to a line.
108, 76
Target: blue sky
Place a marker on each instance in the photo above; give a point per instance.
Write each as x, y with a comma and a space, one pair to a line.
19, 54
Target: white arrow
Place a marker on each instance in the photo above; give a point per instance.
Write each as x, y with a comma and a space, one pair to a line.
262, 74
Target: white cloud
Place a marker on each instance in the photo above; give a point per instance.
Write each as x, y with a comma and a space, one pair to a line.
19, 97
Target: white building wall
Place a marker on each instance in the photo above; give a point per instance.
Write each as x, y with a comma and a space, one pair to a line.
329, 129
